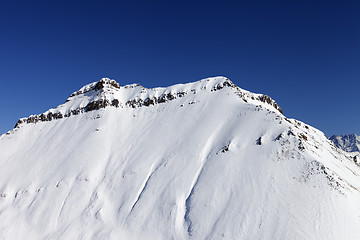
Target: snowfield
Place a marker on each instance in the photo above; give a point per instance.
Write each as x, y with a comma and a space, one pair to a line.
204, 160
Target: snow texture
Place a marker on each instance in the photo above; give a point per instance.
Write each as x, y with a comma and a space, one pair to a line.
204, 160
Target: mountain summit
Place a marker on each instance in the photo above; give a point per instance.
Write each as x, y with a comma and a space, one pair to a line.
203, 160
108, 93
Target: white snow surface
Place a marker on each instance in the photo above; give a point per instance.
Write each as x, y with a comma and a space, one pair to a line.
208, 165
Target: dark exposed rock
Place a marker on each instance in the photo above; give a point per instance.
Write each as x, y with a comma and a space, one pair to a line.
115, 103
258, 141
301, 146
43, 117
50, 116
154, 100
32, 119
162, 99
170, 96
268, 100
181, 94
220, 86
301, 135
101, 84
132, 85
77, 93
98, 86
76, 111
40, 118
225, 149
135, 103
114, 84
290, 133
96, 105
57, 115
20, 121
265, 99
149, 102
279, 137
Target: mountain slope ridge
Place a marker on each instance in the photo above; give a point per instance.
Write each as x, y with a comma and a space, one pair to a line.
202, 166
107, 92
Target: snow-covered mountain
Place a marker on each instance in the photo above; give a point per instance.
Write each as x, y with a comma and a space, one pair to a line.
204, 160
348, 143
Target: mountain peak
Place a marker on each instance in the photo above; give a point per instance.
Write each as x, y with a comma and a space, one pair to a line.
103, 83
348, 143
106, 82
108, 93
202, 160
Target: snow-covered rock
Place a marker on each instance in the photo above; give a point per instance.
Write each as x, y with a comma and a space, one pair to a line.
348, 143
107, 92
204, 160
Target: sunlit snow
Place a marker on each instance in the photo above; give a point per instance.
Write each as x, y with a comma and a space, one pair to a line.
213, 162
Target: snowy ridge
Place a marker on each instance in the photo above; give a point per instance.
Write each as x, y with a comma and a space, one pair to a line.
109, 93
215, 164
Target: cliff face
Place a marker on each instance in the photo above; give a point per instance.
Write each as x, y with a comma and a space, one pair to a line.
204, 160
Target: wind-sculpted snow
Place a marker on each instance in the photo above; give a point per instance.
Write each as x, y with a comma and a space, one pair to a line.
210, 163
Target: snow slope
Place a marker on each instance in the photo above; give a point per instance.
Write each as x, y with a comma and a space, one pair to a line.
204, 160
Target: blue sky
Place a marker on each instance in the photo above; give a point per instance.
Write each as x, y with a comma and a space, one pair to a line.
304, 54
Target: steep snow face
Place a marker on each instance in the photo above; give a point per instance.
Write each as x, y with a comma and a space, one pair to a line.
348, 143
205, 160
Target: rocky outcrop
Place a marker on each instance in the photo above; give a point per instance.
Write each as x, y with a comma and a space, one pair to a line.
101, 84
96, 105
42, 117
248, 95
154, 100
270, 101
104, 96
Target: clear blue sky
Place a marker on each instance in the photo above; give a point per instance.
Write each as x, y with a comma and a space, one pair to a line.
304, 54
